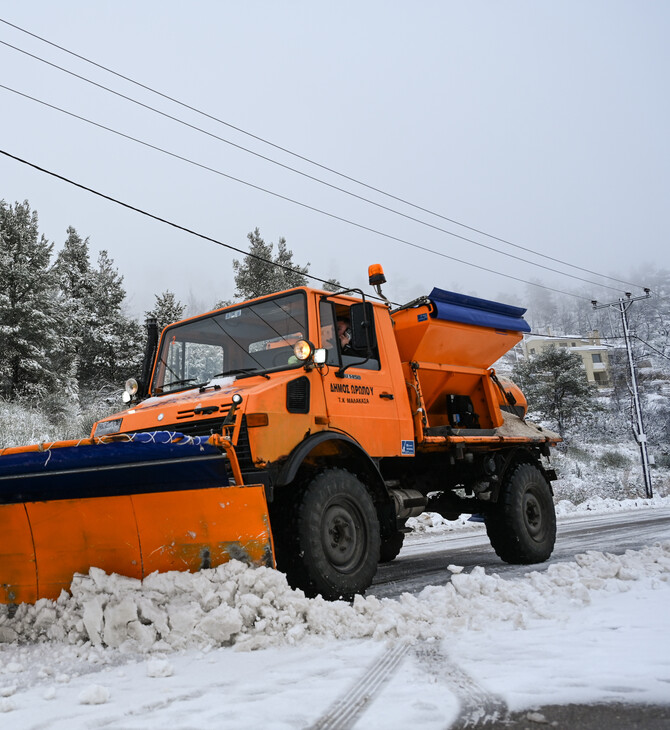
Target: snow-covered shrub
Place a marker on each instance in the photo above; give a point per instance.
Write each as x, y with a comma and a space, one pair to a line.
597, 470
22, 424
55, 417
97, 405
614, 459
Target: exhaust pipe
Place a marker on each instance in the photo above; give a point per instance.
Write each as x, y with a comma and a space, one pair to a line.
149, 356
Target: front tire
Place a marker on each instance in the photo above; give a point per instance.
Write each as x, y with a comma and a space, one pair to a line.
522, 528
336, 537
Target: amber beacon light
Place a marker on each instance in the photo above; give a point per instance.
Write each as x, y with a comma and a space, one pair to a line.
376, 275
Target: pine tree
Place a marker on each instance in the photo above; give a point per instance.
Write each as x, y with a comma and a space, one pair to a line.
255, 277
333, 285
73, 267
75, 279
112, 347
28, 327
167, 309
556, 388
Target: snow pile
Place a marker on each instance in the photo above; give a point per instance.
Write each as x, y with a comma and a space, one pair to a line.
606, 504
94, 694
432, 523
234, 605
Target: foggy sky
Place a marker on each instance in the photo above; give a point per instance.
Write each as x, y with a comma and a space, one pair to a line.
545, 124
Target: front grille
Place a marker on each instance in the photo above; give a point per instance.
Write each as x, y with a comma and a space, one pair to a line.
192, 412
204, 427
207, 428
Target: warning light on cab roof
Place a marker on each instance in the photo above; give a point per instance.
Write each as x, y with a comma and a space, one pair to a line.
376, 275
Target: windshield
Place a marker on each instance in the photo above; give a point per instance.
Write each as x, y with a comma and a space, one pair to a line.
251, 339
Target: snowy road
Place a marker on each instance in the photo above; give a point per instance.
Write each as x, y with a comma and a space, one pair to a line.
178, 649
423, 560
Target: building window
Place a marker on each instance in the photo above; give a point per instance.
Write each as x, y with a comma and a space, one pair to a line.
532, 351
573, 344
596, 358
562, 344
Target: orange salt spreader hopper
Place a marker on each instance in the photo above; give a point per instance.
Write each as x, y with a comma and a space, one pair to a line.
129, 504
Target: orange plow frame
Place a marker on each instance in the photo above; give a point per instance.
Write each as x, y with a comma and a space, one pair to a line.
134, 516
43, 544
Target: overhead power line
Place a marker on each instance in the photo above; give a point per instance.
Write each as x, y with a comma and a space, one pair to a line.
651, 347
313, 208
305, 159
164, 220
238, 250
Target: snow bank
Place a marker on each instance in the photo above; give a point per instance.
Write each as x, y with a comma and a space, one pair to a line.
234, 605
432, 523
606, 504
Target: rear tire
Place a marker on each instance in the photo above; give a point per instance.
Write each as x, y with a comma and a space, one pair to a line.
334, 547
522, 529
391, 546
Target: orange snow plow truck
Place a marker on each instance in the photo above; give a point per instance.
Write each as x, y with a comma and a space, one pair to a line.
301, 429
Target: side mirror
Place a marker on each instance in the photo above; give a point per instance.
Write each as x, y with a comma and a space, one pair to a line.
363, 336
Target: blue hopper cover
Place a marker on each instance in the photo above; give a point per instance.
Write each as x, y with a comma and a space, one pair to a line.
481, 312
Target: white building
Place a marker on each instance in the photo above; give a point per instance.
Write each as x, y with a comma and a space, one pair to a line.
594, 354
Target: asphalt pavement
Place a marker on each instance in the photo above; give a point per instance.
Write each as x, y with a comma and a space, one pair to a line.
585, 717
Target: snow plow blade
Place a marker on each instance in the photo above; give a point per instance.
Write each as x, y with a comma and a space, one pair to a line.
131, 505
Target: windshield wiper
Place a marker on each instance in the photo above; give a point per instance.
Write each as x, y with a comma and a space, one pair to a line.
177, 382
244, 372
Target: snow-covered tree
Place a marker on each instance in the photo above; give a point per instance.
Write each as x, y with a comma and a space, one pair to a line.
167, 309
258, 274
28, 328
333, 285
76, 287
556, 387
112, 347
73, 267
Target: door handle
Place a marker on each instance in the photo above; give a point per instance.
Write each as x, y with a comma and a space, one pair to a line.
388, 396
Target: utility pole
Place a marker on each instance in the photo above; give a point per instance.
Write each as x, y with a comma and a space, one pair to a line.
624, 305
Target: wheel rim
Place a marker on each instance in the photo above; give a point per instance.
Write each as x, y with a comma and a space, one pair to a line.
343, 536
532, 515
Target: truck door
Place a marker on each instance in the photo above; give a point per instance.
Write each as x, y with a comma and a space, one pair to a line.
361, 401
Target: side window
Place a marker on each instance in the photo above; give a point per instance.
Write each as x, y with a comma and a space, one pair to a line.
355, 355
328, 333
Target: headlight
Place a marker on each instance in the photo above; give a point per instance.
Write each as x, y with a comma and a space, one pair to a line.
303, 349
130, 391
104, 428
